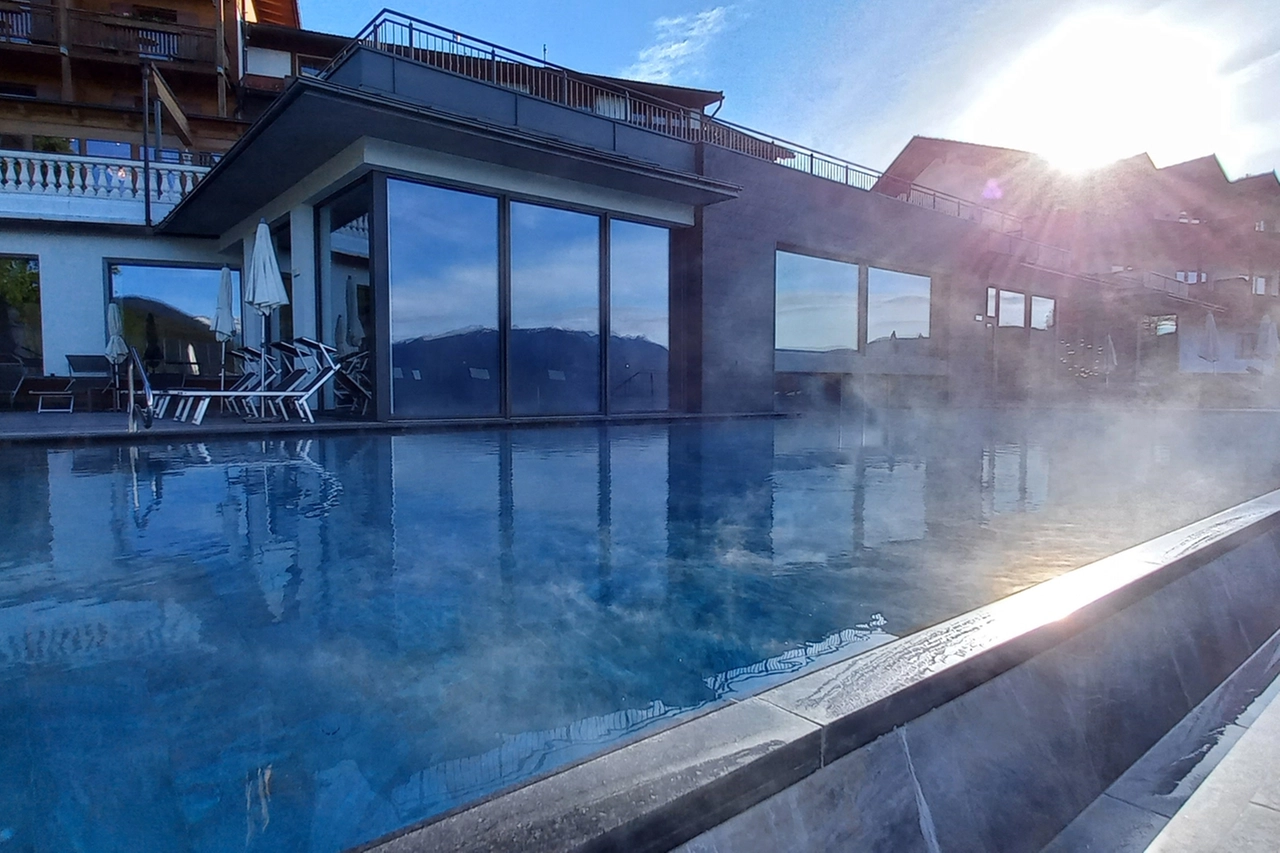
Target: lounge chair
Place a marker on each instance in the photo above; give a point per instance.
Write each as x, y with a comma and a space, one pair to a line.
11, 376
293, 389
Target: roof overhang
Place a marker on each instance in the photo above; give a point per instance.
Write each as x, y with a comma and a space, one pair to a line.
314, 121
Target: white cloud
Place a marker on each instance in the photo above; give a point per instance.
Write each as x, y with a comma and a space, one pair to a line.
680, 40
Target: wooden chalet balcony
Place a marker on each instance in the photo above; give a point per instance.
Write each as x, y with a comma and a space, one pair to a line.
91, 33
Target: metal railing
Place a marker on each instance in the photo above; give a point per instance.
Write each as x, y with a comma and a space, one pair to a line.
1031, 252
448, 50
38, 173
1151, 281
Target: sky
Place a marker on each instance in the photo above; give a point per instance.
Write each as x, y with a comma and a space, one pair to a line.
1080, 81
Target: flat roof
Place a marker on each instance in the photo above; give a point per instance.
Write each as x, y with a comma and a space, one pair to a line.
313, 121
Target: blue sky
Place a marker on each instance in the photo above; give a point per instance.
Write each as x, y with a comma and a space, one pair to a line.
857, 79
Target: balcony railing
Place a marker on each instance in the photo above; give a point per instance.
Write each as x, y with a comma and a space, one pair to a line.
35, 23
65, 186
448, 50
143, 39
23, 24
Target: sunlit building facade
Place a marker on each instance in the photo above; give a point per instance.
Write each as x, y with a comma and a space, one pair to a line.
482, 235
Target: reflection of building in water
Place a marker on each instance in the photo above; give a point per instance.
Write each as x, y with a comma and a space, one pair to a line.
345, 612
526, 754
893, 509
87, 632
1015, 478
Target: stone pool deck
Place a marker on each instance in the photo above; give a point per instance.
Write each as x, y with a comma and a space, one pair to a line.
1211, 784
1237, 807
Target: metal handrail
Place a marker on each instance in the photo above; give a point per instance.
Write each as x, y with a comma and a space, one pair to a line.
146, 412
468, 56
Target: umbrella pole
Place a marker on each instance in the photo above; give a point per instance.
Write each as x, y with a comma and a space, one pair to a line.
262, 368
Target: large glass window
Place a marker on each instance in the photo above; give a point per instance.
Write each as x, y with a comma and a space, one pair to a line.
1013, 307
639, 317
816, 304
444, 301
1042, 311
346, 299
897, 308
20, 340
168, 314
555, 311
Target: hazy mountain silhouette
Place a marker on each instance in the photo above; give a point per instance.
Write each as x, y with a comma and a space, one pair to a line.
552, 370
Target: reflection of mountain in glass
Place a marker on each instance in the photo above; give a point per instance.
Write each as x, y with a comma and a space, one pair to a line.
178, 334
552, 370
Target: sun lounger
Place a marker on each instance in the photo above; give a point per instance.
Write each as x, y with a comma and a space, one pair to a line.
292, 390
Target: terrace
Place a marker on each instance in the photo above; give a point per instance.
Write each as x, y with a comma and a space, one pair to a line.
35, 26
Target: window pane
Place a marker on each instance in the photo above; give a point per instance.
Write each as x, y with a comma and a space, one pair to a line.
817, 304
444, 301
168, 314
346, 300
1013, 307
1042, 309
897, 308
991, 302
103, 148
20, 340
638, 317
555, 311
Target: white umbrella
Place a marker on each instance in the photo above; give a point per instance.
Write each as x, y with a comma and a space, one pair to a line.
355, 329
117, 349
1268, 339
264, 288
224, 321
1210, 349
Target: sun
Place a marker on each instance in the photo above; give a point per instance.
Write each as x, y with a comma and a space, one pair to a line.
1105, 85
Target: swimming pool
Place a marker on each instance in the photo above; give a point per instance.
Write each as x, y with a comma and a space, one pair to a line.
302, 645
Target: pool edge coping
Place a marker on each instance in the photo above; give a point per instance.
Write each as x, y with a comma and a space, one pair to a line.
664, 789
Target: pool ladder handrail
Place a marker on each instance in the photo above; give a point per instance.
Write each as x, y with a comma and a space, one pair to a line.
147, 411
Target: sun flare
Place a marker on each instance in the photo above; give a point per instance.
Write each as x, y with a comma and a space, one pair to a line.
1106, 85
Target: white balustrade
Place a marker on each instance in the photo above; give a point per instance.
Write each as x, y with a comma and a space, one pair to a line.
63, 179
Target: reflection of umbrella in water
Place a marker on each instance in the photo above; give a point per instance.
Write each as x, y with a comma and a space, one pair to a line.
264, 288
1268, 339
152, 355
224, 322
117, 349
1210, 348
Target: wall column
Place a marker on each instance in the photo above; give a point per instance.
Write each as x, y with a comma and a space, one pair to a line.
302, 262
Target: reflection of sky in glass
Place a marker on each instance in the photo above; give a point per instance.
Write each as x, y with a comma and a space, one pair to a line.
443, 260
555, 269
1012, 308
897, 303
638, 285
817, 303
1041, 312
194, 292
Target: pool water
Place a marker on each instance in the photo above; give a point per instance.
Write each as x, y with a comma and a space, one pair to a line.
305, 644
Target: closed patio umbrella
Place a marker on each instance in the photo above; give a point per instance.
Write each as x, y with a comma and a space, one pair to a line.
224, 323
355, 329
117, 349
1210, 348
264, 288
1109, 360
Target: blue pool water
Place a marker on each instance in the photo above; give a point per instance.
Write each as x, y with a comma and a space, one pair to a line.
305, 644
